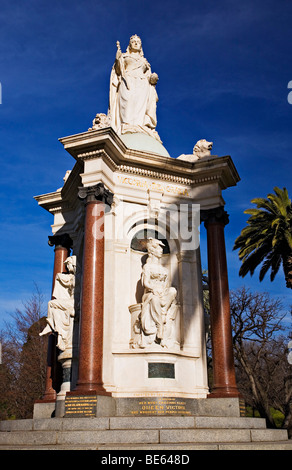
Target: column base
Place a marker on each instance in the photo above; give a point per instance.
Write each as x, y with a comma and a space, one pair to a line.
48, 398
43, 409
89, 406
89, 389
223, 392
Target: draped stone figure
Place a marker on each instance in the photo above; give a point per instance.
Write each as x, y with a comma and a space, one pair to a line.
133, 96
61, 309
159, 306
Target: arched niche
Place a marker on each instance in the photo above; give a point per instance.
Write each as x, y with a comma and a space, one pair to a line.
137, 236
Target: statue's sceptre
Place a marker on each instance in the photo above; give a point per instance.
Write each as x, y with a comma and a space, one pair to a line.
122, 65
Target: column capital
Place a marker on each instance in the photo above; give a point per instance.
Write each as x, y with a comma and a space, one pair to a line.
94, 193
64, 240
214, 215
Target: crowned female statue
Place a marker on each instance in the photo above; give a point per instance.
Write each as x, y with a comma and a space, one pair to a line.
133, 96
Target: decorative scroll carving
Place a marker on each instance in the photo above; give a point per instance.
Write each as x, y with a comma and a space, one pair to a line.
217, 214
97, 192
63, 240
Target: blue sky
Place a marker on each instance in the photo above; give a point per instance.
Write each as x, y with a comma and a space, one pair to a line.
223, 67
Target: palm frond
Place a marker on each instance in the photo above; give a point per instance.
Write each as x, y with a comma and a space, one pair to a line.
267, 238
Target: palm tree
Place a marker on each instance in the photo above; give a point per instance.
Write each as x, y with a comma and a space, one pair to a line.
267, 239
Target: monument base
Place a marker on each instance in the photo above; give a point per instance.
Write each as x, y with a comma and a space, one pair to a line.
86, 406
42, 410
177, 406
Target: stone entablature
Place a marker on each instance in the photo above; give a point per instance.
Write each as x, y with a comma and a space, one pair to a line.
202, 181
106, 144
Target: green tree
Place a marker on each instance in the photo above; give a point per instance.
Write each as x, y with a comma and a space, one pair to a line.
267, 239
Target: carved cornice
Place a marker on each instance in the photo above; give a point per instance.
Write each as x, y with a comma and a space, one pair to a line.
73, 181
61, 207
154, 174
90, 155
50, 201
64, 199
106, 144
94, 193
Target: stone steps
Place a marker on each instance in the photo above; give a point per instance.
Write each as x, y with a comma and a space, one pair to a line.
142, 433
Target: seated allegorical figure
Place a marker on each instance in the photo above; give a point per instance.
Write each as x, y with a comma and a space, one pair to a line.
61, 309
159, 306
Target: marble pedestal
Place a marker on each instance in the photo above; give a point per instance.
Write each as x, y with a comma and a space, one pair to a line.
151, 191
65, 358
98, 406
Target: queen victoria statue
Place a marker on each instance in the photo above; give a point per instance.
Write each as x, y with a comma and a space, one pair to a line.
133, 96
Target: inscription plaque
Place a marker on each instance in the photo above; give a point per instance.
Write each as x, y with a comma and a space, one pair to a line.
80, 406
155, 406
161, 406
162, 370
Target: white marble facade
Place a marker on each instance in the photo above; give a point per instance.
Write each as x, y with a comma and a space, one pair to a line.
136, 209
151, 191
130, 351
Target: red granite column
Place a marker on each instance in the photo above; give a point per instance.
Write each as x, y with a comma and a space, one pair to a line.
92, 300
224, 382
62, 245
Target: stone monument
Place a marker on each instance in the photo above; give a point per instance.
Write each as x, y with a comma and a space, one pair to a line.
129, 330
